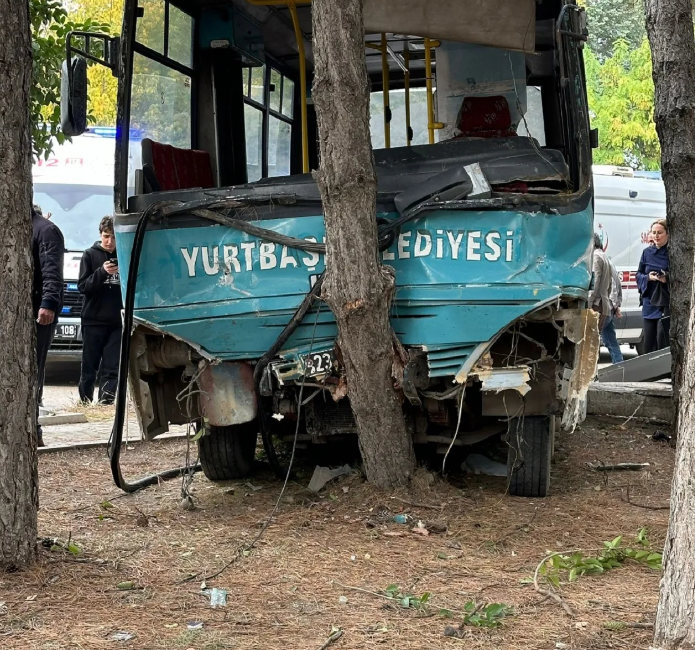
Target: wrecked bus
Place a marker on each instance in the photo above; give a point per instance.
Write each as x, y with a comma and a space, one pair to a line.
484, 207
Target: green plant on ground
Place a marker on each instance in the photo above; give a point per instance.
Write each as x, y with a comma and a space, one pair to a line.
405, 600
612, 556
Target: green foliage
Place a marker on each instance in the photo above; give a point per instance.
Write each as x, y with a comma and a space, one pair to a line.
489, 616
474, 614
612, 20
407, 601
50, 25
621, 102
613, 556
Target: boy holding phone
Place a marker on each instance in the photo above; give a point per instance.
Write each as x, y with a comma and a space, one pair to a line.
101, 316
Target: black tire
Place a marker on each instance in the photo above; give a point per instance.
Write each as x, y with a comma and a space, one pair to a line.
528, 458
228, 453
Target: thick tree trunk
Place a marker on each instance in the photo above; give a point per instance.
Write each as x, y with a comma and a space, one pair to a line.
670, 30
357, 287
18, 472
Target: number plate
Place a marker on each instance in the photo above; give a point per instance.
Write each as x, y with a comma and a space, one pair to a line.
67, 331
318, 363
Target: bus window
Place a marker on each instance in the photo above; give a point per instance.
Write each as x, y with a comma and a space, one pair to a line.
533, 116
268, 119
161, 102
160, 105
180, 37
418, 118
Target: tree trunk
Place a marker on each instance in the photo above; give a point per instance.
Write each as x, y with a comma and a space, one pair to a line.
357, 287
18, 471
670, 31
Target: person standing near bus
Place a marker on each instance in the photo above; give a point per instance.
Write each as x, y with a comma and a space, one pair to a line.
48, 250
100, 283
608, 335
652, 282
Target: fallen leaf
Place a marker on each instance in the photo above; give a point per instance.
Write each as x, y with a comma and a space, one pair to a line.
420, 531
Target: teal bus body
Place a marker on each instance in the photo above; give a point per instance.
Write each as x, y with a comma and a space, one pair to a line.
461, 278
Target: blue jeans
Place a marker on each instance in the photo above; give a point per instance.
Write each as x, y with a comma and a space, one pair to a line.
610, 340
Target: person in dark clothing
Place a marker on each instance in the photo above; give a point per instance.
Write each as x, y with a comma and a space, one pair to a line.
101, 316
653, 271
48, 250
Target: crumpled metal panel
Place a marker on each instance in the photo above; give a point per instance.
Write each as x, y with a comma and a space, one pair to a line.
461, 277
585, 333
227, 394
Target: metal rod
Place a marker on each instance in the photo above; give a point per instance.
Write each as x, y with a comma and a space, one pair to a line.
406, 57
385, 89
302, 85
430, 103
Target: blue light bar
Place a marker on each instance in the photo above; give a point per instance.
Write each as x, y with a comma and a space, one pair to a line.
72, 286
65, 310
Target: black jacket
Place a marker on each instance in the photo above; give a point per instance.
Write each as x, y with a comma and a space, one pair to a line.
48, 249
102, 292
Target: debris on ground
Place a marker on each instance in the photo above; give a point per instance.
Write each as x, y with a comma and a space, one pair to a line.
195, 625
218, 597
323, 475
279, 595
122, 636
661, 436
618, 467
479, 464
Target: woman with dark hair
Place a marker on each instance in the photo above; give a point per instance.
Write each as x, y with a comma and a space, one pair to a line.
652, 282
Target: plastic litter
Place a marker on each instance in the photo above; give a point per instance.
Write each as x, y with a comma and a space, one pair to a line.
479, 464
218, 597
195, 625
122, 636
400, 519
323, 475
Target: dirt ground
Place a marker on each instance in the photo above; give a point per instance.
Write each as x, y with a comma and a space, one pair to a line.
325, 562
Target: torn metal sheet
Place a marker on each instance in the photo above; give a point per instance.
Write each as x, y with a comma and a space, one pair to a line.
496, 380
227, 394
587, 338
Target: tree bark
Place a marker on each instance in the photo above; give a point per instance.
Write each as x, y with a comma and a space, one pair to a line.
18, 464
670, 31
357, 287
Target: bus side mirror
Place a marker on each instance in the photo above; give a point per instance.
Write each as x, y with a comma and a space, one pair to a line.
73, 96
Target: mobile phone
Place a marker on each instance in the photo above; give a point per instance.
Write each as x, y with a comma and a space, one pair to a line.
114, 261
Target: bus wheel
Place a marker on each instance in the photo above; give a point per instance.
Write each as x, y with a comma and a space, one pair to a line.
228, 452
529, 455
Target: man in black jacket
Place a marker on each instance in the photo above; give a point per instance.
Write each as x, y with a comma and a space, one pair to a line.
101, 316
48, 250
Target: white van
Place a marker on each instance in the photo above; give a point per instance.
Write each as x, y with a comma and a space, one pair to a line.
75, 185
626, 203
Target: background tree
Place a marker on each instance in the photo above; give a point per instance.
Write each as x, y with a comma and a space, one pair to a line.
357, 287
670, 30
50, 25
614, 20
18, 466
621, 99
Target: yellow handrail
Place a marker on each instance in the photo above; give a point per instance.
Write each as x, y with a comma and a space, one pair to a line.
431, 124
302, 86
292, 6
385, 93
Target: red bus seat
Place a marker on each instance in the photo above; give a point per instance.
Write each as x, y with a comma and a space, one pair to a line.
485, 117
177, 169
